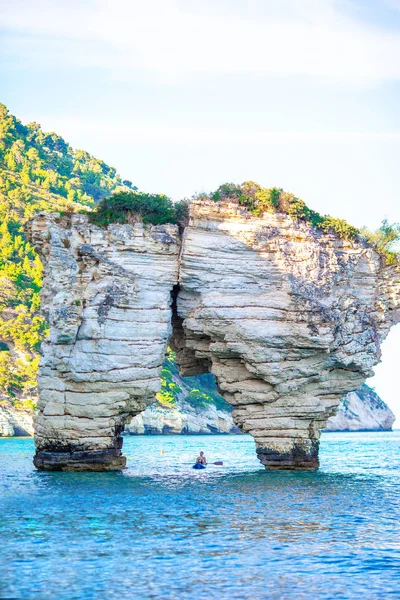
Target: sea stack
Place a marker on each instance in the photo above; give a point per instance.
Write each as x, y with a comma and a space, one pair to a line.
287, 317
107, 296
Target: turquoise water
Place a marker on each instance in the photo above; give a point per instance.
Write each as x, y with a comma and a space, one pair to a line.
162, 530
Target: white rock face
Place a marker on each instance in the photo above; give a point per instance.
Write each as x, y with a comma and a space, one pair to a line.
181, 419
15, 422
362, 411
289, 319
6, 427
107, 296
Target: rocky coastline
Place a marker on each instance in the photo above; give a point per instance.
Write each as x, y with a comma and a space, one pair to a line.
363, 410
359, 411
16, 422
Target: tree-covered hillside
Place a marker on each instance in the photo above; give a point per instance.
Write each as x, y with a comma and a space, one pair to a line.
38, 171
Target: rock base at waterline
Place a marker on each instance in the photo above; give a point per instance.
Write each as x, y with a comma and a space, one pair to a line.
299, 458
96, 460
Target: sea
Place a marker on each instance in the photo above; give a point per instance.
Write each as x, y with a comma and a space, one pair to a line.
162, 530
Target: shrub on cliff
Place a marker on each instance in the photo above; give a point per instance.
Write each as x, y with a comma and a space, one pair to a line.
343, 229
386, 240
249, 195
259, 200
127, 207
130, 207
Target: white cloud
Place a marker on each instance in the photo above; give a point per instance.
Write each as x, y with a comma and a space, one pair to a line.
154, 132
174, 38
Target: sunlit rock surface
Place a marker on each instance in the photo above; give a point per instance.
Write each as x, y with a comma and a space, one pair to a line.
363, 410
289, 319
107, 296
15, 422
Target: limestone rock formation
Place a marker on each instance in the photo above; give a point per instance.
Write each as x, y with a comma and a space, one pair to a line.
288, 318
15, 422
362, 410
107, 296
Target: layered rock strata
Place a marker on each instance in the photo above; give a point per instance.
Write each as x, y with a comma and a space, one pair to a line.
107, 297
15, 422
289, 319
363, 410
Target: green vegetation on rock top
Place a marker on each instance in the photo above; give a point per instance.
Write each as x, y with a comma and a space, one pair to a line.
259, 200
132, 206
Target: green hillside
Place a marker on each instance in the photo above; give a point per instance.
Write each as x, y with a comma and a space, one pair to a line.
38, 171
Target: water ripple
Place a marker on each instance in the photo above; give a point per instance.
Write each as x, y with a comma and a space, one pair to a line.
162, 530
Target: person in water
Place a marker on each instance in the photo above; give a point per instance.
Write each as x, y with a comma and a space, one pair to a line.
201, 459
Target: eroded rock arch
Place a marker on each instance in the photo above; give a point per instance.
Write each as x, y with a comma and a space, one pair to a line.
287, 318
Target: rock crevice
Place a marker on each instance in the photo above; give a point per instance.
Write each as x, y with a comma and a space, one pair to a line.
288, 319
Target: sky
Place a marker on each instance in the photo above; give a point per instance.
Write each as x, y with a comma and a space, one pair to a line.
182, 95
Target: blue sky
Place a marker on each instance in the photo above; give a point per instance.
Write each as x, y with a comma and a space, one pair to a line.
181, 96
